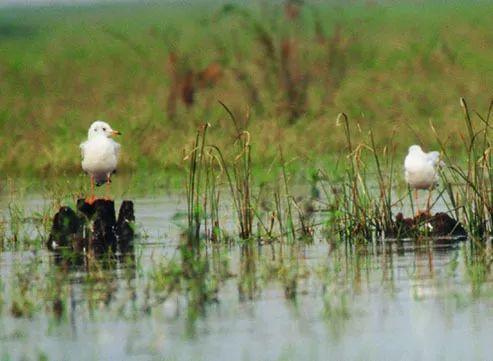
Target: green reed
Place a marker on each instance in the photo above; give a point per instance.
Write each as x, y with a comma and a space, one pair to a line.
238, 174
211, 170
202, 190
365, 198
470, 188
207, 166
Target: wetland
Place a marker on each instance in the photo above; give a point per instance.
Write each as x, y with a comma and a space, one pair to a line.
262, 148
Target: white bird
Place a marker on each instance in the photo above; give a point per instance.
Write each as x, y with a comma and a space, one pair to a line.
421, 171
99, 155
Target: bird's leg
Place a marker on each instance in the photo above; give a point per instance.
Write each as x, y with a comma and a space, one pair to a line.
91, 199
428, 203
417, 203
108, 187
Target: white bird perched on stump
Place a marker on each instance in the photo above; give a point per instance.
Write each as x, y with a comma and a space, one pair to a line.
421, 171
99, 155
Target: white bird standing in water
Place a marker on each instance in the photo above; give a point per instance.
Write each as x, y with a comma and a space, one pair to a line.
421, 171
99, 155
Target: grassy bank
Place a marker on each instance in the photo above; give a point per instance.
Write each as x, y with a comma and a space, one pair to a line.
156, 72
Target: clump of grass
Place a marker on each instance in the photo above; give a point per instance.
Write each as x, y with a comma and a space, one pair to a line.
292, 215
212, 225
193, 184
247, 206
198, 186
211, 169
19, 229
365, 195
206, 165
470, 190
240, 183
203, 190
239, 177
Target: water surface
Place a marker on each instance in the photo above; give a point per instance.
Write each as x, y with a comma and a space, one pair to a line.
381, 301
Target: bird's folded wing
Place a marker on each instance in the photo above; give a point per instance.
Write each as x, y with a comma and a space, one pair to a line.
433, 157
82, 149
116, 147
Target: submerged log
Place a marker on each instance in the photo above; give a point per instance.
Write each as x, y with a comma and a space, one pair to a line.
65, 230
93, 228
125, 226
435, 226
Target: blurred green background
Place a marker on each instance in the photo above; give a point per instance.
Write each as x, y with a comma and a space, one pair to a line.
285, 69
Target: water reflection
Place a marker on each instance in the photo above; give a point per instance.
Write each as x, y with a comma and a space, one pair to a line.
165, 299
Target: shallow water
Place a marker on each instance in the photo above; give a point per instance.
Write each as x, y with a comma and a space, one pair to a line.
374, 303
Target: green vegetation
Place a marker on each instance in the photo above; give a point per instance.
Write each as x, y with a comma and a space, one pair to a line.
241, 103
470, 189
156, 72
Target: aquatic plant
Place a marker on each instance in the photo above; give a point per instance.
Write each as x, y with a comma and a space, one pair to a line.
238, 176
470, 188
202, 193
365, 195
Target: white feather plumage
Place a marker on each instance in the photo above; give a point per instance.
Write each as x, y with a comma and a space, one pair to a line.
420, 168
100, 152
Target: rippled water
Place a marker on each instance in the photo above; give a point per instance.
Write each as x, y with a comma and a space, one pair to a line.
381, 302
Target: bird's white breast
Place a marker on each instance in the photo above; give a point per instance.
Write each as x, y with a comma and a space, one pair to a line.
420, 171
99, 156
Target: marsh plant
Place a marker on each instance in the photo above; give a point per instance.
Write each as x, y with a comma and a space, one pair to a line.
364, 198
238, 173
281, 215
470, 187
21, 228
193, 186
203, 190
212, 170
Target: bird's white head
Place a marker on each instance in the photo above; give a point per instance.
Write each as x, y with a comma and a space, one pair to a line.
100, 128
415, 149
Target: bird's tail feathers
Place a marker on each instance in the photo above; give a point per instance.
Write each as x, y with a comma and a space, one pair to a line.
100, 182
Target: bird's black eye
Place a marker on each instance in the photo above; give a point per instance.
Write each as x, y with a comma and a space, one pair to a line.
104, 129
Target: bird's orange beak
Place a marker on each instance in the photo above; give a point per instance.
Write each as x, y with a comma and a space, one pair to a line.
115, 132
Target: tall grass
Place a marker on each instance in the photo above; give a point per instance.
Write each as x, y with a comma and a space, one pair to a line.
360, 204
239, 177
247, 206
365, 197
218, 177
203, 185
196, 186
470, 188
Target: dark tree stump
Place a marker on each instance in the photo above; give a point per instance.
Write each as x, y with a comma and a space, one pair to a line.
93, 228
102, 236
65, 230
436, 226
442, 223
125, 226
